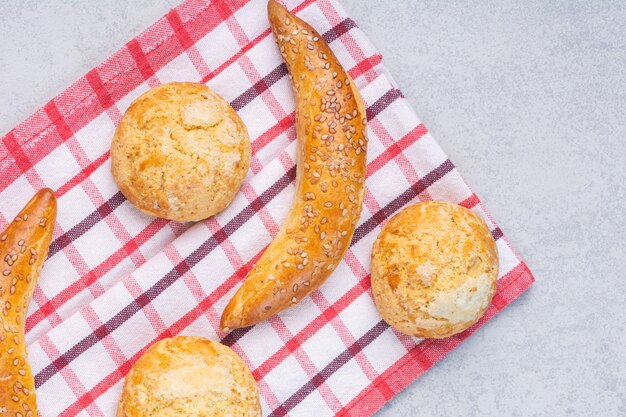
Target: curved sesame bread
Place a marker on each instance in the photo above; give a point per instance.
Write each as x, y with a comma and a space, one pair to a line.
191, 377
24, 247
180, 152
331, 158
434, 269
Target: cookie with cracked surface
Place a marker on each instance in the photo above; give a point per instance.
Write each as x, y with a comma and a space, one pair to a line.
189, 376
434, 269
180, 152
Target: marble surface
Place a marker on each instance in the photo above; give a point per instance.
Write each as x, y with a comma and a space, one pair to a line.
529, 100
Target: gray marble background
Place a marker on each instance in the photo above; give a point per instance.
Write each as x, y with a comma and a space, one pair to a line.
529, 99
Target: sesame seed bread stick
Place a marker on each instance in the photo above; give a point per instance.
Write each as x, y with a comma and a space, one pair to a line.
24, 247
331, 160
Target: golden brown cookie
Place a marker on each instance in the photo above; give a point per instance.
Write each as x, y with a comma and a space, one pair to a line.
191, 377
180, 152
434, 269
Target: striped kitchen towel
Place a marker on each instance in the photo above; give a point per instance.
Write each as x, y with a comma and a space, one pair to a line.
117, 280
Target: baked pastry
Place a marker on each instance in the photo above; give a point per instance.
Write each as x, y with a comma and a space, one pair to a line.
180, 152
191, 377
434, 269
24, 247
331, 158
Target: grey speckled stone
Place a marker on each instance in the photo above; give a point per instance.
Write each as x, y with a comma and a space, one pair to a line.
529, 99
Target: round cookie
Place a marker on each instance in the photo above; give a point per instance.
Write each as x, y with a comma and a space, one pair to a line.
180, 152
189, 376
434, 269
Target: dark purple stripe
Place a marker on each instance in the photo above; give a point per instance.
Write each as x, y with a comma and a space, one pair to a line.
259, 87
382, 103
87, 223
165, 282
279, 72
497, 233
402, 200
340, 29
336, 364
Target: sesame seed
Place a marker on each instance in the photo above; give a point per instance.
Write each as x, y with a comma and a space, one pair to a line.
344, 232
21, 372
3, 238
328, 204
310, 46
316, 38
334, 75
295, 287
294, 300
324, 220
6, 272
25, 216
323, 235
33, 251
354, 112
344, 213
331, 92
316, 174
287, 22
20, 242
305, 32
15, 398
